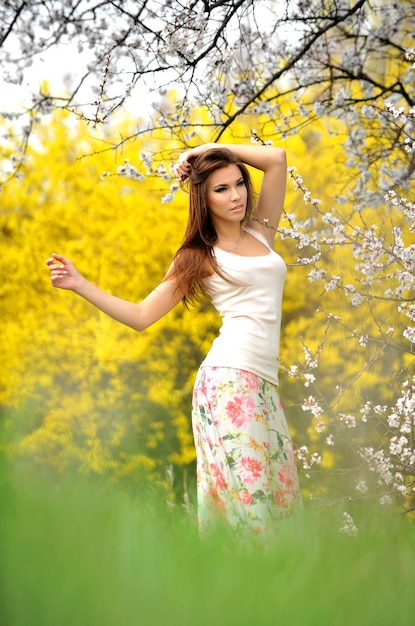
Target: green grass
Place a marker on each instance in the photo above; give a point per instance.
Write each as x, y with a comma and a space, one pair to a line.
77, 553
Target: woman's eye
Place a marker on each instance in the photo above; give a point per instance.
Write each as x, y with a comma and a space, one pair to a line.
241, 183
219, 189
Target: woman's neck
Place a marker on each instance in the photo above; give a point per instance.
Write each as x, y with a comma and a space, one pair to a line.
230, 239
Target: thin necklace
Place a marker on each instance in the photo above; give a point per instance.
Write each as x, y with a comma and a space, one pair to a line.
236, 244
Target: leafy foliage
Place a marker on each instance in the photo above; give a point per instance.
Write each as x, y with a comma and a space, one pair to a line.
89, 393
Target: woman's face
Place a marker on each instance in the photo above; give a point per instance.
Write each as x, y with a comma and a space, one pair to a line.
226, 195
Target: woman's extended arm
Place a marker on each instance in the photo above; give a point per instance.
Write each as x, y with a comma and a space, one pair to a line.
137, 316
271, 161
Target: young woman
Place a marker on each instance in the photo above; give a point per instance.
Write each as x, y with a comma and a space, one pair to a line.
246, 471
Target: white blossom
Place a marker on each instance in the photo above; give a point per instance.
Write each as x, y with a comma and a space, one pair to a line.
362, 486
309, 378
348, 420
409, 333
349, 527
394, 420
385, 500
356, 299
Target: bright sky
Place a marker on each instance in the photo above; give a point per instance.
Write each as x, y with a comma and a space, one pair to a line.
61, 67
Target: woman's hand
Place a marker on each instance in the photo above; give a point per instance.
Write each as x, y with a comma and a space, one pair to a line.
63, 273
184, 164
183, 167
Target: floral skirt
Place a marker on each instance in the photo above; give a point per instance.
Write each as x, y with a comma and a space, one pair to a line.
246, 472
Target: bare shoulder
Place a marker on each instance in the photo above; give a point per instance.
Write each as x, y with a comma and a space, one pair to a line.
264, 228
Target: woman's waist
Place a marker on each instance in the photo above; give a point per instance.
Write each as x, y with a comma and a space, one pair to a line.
259, 345
247, 329
259, 357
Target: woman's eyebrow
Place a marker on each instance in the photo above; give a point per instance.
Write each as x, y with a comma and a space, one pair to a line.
226, 184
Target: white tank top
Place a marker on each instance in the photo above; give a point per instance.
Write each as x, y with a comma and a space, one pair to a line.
250, 308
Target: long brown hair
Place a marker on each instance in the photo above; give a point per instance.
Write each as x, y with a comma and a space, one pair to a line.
195, 259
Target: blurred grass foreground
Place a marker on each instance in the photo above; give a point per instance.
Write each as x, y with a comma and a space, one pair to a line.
79, 553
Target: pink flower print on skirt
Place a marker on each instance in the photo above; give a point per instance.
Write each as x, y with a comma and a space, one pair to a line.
246, 471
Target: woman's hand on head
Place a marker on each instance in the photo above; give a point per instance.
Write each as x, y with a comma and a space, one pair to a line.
63, 273
183, 166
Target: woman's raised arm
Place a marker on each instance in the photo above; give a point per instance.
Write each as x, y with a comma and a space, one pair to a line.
139, 316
